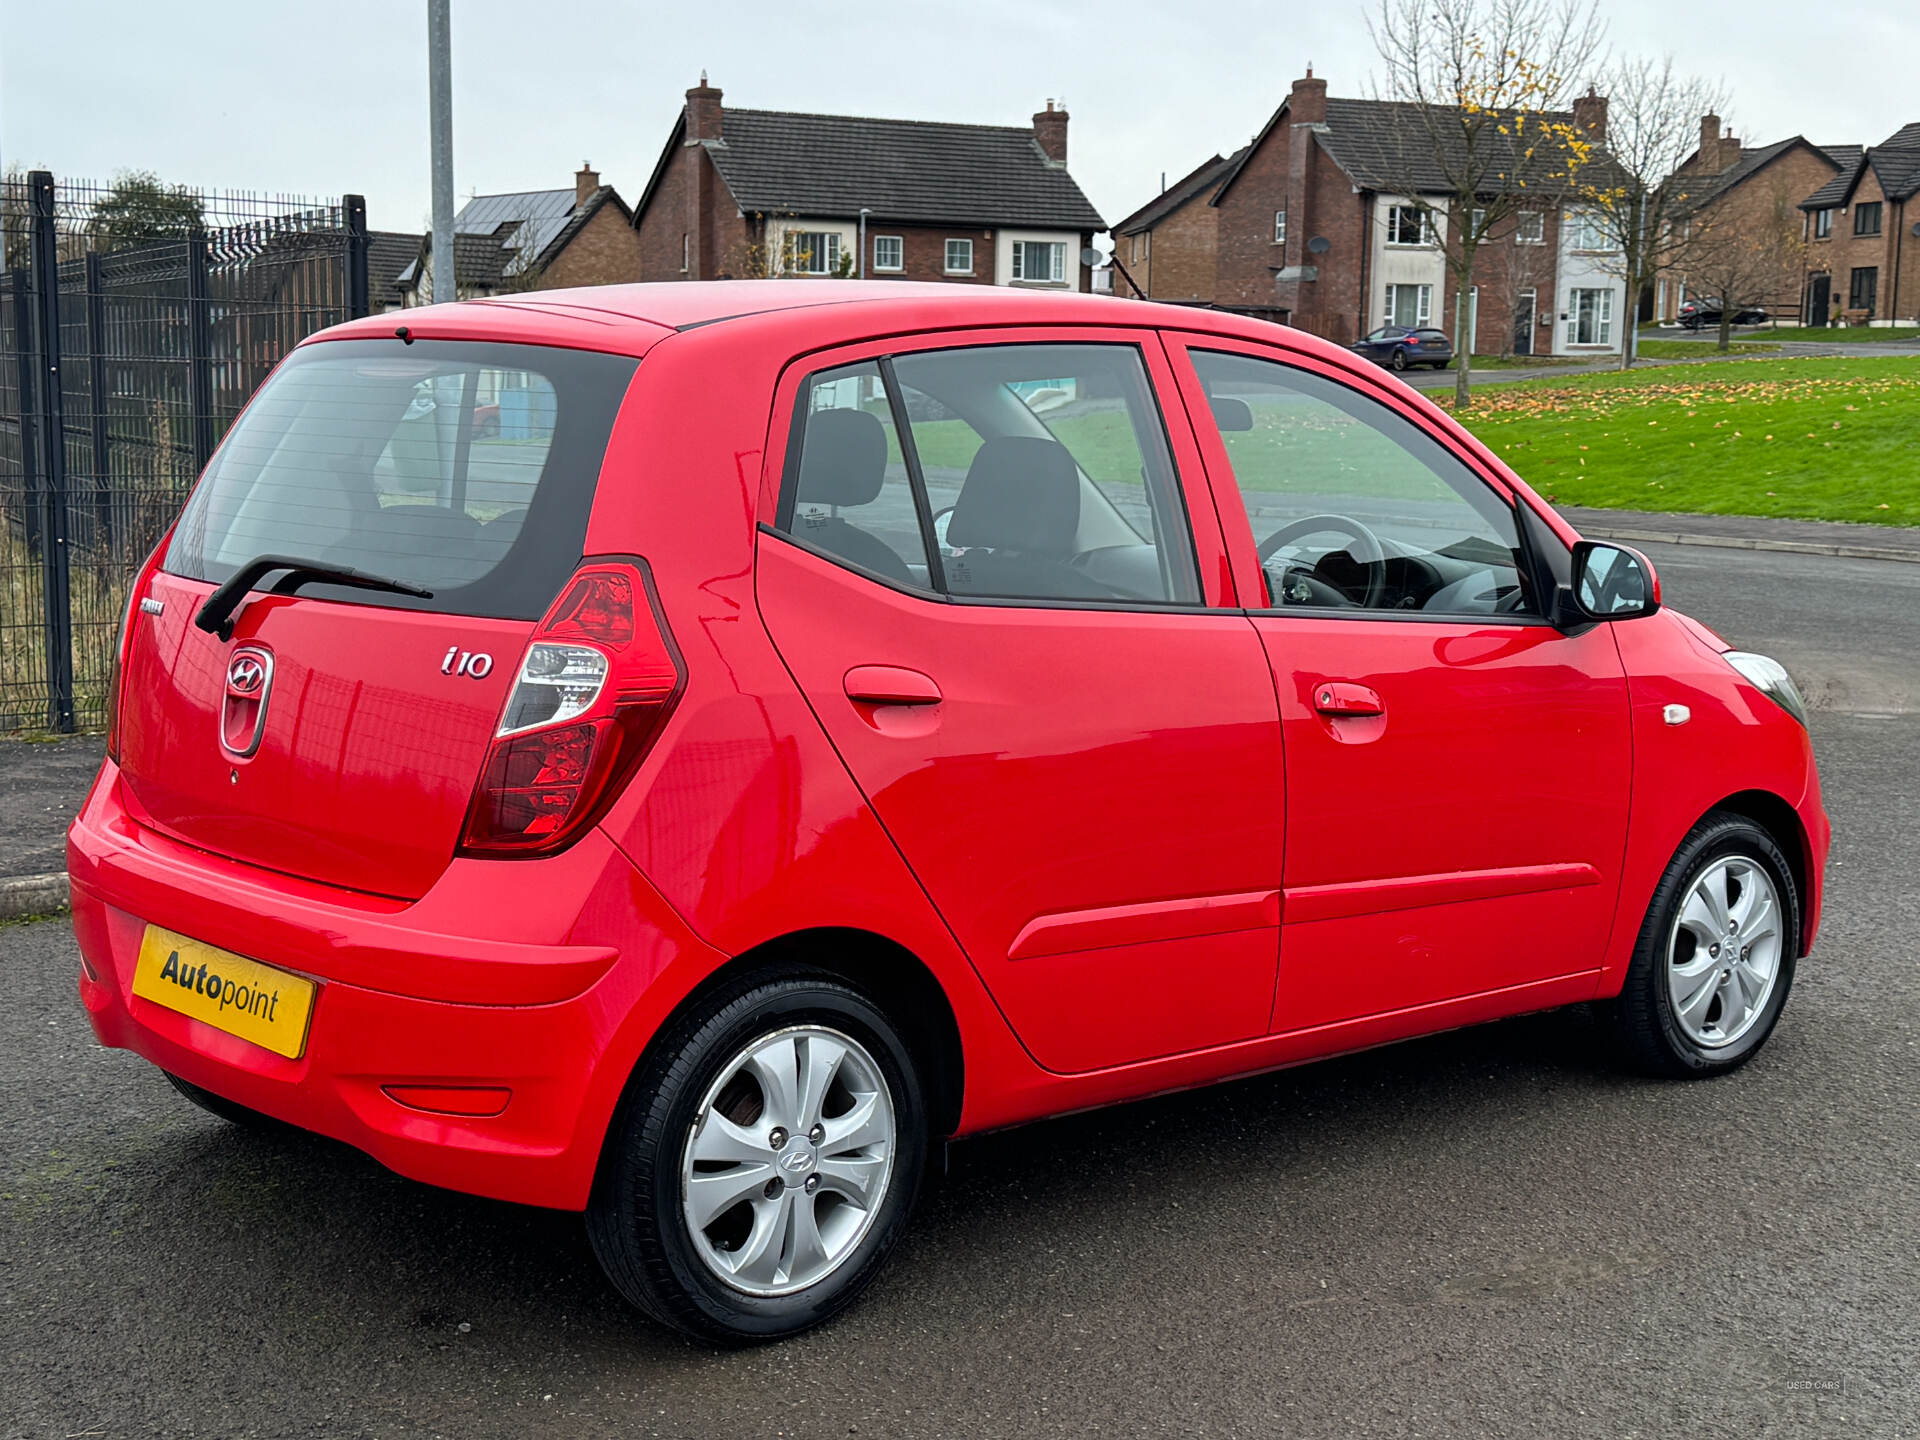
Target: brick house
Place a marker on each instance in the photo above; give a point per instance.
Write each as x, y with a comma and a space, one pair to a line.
747, 193
1183, 221
533, 240
1308, 231
1863, 236
1744, 189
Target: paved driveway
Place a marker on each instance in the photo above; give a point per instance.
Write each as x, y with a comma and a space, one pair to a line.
1488, 1233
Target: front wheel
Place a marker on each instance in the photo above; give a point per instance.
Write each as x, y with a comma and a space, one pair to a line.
765, 1161
1716, 954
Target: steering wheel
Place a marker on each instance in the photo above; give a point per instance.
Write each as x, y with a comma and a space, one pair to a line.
1367, 547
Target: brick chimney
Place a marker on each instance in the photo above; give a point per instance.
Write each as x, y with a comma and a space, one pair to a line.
586, 180
1050, 132
1590, 116
704, 115
1308, 102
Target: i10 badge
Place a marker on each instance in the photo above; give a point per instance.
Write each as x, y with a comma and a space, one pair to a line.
466, 662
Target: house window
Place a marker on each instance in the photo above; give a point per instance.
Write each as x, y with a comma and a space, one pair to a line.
1479, 224
686, 250
1044, 261
1279, 227
1863, 288
1592, 317
1585, 232
959, 257
1409, 225
1530, 228
1409, 305
1866, 219
815, 252
1142, 243
888, 253
1822, 224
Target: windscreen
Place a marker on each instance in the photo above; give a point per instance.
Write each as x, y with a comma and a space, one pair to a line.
466, 469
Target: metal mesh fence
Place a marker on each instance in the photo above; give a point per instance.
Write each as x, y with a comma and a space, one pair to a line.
135, 322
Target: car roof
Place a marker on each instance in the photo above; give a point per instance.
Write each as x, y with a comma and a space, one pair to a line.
631, 319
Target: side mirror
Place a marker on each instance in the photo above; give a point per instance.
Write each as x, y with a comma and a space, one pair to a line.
1610, 582
1231, 414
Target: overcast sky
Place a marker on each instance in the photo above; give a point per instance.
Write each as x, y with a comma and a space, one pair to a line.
325, 98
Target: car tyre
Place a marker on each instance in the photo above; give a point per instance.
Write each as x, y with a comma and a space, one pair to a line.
1657, 1032
230, 1111
1399, 360
638, 1218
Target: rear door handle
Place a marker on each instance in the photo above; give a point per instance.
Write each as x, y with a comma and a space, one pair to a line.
891, 685
1343, 697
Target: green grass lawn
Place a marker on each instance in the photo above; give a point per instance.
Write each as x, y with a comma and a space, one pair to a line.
1650, 348
1821, 439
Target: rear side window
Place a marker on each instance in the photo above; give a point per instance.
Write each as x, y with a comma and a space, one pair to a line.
466, 469
1040, 472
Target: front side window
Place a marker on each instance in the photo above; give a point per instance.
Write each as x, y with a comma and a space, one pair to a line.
1409, 305
1866, 218
1353, 507
1822, 224
888, 252
1409, 225
467, 469
1592, 317
1530, 228
959, 257
1044, 261
1042, 471
813, 252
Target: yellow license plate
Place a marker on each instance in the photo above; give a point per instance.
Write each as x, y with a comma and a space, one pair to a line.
229, 992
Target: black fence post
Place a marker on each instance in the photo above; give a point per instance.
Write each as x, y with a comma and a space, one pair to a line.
97, 390
23, 368
355, 208
53, 492
200, 350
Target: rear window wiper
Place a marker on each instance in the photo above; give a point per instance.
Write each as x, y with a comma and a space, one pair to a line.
216, 616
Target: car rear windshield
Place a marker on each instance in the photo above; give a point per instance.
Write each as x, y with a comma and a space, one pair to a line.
466, 469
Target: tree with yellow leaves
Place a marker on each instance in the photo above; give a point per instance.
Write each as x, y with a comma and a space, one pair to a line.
1485, 132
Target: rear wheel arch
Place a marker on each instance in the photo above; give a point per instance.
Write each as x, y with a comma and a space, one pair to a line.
890, 975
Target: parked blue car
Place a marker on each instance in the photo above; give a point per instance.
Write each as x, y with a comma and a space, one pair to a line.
1405, 346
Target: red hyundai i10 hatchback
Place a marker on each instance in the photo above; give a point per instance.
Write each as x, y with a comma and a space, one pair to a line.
681, 753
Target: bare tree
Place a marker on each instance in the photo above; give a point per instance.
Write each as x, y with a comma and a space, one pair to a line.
1746, 258
1639, 202
1485, 84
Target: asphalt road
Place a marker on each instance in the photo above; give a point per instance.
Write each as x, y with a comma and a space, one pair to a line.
1488, 1233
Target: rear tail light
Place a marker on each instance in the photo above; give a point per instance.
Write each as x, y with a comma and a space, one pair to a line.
136, 592
596, 685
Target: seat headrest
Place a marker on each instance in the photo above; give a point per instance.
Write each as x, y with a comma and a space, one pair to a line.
1022, 493
843, 458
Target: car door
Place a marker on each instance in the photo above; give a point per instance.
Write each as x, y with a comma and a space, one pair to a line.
1457, 769
1058, 711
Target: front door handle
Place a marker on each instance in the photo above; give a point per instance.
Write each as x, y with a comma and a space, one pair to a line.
891, 685
1343, 697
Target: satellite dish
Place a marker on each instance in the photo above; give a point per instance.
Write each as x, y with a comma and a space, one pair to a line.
1319, 245
1916, 229
1091, 256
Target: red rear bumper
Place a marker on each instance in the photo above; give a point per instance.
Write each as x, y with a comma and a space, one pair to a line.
543, 978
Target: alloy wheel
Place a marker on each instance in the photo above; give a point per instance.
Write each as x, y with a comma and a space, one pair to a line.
1724, 952
788, 1160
